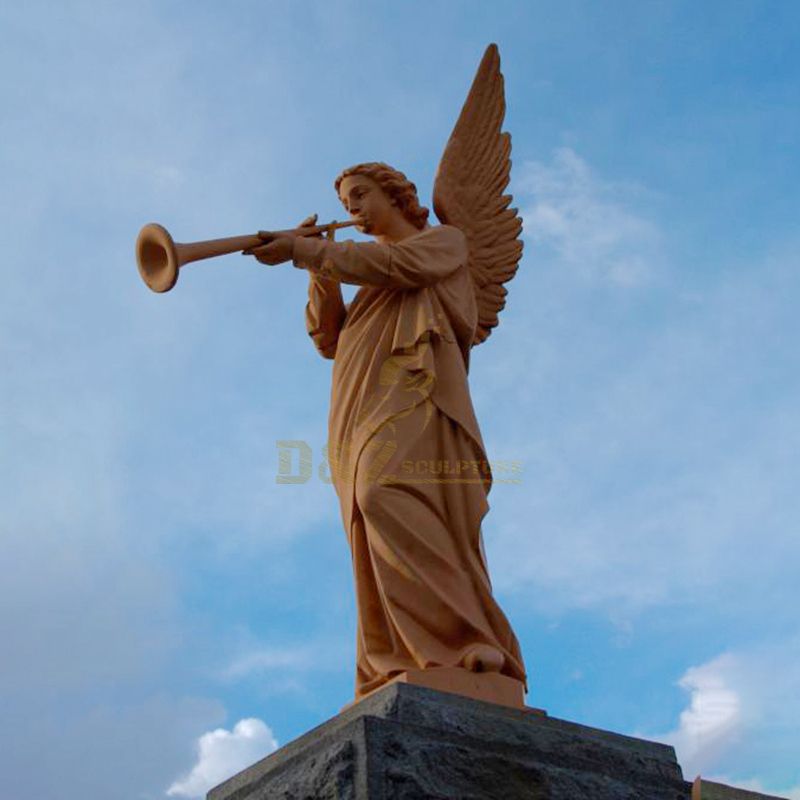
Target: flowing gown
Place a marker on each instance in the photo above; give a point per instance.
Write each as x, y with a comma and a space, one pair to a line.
407, 458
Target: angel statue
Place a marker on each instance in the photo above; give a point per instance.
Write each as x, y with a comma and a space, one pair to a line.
406, 453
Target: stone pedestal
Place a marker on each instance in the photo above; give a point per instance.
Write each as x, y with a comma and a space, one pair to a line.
407, 742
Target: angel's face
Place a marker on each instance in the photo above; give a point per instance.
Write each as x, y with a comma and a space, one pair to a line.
367, 203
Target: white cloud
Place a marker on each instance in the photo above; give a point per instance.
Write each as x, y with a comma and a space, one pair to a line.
714, 716
586, 221
268, 659
222, 753
288, 666
740, 725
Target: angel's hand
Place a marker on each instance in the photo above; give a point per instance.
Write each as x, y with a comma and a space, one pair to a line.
309, 222
275, 250
329, 234
278, 248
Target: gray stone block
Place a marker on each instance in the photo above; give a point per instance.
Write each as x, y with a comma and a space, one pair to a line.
408, 743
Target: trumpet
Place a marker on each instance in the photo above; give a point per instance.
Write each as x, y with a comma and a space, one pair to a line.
159, 257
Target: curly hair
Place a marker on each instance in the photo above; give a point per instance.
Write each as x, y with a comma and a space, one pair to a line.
399, 189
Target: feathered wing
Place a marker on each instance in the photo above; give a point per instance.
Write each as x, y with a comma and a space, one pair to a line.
468, 192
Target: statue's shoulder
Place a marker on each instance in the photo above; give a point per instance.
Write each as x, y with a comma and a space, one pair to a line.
450, 238
448, 233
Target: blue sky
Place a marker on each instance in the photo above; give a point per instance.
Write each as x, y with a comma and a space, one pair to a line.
168, 610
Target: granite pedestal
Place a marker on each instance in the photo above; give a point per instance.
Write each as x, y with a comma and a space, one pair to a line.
406, 742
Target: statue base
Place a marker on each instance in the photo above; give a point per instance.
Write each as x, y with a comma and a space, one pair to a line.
408, 742
490, 687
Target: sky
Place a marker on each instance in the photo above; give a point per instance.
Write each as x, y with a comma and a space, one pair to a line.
170, 612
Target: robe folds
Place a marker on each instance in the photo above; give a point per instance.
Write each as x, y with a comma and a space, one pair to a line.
406, 455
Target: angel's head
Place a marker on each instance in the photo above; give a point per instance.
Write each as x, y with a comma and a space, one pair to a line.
382, 199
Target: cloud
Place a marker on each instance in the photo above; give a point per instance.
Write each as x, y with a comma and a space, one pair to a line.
658, 448
285, 668
222, 753
740, 722
713, 719
269, 659
266, 659
586, 221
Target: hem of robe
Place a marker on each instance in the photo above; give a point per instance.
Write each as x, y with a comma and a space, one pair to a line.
377, 682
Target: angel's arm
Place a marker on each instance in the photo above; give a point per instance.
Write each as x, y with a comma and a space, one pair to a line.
419, 261
325, 313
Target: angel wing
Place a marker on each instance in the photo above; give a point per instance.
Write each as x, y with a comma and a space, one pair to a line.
468, 192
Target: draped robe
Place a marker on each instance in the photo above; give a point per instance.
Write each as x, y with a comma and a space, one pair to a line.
407, 458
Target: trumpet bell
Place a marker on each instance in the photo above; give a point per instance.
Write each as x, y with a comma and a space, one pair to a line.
157, 257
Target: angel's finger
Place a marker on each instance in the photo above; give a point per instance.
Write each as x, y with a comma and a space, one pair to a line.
257, 251
308, 221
